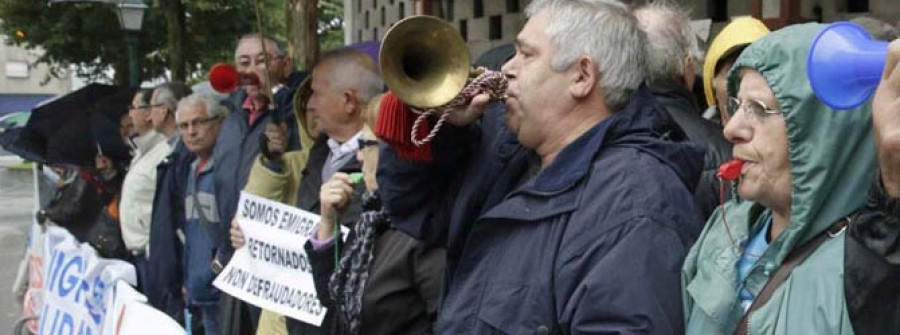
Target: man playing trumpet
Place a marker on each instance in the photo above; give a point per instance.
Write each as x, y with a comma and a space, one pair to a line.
570, 211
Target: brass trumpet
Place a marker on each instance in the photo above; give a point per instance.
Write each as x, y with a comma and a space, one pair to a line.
425, 62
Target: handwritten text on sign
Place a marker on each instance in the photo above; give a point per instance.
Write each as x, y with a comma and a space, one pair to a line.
272, 270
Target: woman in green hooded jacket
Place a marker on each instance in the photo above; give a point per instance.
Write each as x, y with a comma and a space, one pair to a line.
807, 169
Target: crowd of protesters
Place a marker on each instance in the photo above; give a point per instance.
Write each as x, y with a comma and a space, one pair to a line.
587, 201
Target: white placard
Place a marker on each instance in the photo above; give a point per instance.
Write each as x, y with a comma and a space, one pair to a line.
272, 270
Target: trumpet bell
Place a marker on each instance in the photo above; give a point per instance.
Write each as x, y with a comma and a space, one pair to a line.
424, 61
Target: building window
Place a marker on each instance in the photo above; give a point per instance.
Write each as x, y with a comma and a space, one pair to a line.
495, 31
375, 34
512, 6
449, 10
359, 35
382, 16
718, 10
857, 6
374, 4
391, 2
359, 6
401, 9
367, 19
464, 29
478, 8
16, 69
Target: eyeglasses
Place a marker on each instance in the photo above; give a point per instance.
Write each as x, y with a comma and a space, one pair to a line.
365, 143
195, 123
756, 108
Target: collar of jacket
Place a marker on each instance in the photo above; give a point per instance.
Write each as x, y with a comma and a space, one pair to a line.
641, 124
674, 94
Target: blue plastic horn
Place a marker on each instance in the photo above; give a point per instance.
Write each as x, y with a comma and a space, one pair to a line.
845, 65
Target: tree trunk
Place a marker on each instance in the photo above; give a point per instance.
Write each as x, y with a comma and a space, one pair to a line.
175, 29
303, 38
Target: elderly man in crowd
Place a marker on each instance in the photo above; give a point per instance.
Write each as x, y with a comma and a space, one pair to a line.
576, 216
672, 60
343, 82
164, 263
138, 188
239, 143
199, 117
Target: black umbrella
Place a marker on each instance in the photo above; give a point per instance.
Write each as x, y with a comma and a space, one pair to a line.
70, 129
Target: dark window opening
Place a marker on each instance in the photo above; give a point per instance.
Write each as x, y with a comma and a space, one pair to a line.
464, 29
375, 34
857, 6
382, 16
495, 31
359, 35
718, 10
512, 6
402, 10
367, 20
359, 6
478, 8
449, 10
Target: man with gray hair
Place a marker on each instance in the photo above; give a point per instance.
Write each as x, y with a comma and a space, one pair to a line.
576, 215
163, 102
199, 118
672, 56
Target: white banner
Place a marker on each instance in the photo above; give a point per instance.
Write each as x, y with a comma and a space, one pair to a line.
272, 270
75, 282
129, 314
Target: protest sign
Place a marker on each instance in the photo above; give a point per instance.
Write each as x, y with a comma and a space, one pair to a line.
272, 270
75, 282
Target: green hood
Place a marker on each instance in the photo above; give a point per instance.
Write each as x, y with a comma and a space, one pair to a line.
832, 158
832, 153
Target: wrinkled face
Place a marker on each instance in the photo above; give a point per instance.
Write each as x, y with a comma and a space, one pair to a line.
529, 107
250, 59
720, 88
761, 141
198, 130
140, 115
158, 112
368, 156
328, 106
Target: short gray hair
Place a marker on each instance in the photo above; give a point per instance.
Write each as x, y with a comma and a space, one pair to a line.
604, 30
352, 69
169, 93
670, 41
212, 104
280, 49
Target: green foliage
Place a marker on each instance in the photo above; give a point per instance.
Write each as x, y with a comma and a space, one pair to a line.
88, 36
331, 24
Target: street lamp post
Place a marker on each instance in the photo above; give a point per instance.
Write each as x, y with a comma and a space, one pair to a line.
131, 16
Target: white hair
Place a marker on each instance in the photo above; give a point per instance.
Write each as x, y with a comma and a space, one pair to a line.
351, 69
603, 30
670, 41
212, 104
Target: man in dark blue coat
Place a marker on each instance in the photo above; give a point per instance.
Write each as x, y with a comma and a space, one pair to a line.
570, 212
240, 139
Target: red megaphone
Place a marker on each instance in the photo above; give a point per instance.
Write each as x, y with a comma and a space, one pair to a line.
224, 78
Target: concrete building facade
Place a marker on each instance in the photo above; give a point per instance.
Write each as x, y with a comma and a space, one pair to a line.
23, 84
489, 23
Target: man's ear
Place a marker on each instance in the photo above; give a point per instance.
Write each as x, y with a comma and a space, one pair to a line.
585, 75
287, 67
351, 101
690, 73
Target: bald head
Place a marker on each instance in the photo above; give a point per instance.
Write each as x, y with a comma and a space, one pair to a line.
672, 49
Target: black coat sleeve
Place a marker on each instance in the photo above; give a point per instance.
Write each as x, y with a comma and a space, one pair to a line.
872, 265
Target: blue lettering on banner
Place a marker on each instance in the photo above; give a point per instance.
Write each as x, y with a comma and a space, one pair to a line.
67, 282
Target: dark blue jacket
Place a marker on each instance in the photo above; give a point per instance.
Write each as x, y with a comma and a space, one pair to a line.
593, 244
165, 263
238, 145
